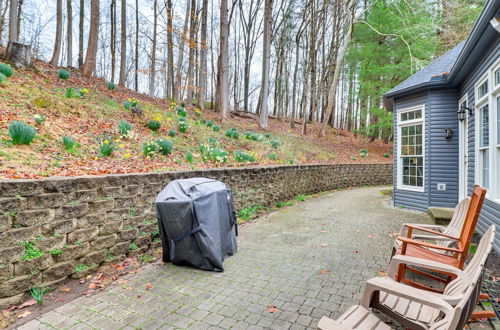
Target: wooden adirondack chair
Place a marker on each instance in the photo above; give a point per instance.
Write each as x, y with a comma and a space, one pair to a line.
452, 229
415, 308
452, 256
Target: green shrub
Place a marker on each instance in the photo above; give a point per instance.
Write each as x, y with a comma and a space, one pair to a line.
281, 204
250, 213
291, 161
63, 74
106, 146
39, 119
149, 149
183, 127
189, 157
164, 146
273, 156
6, 70
127, 105
133, 247
202, 121
183, 105
31, 251
182, 119
2, 78
387, 155
211, 152
55, 252
275, 143
232, 133
241, 156
267, 135
111, 86
124, 127
300, 198
253, 136
209, 123
81, 268
69, 143
363, 153
172, 133
181, 111
216, 128
154, 125
70, 93
21, 133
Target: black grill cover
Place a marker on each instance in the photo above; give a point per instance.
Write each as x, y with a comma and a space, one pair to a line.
197, 223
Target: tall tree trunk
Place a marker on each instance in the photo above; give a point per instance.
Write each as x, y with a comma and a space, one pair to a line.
58, 39
136, 72
203, 55
90, 57
123, 43
80, 34
312, 61
349, 10
3, 14
266, 57
113, 39
222, 94
152, 71
192, 50
19, 14
12, 25
180, 57
69, 34
170, 86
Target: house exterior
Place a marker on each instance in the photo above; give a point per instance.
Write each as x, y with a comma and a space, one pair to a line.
447, 126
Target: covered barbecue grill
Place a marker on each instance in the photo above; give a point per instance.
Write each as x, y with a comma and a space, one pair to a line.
197, 223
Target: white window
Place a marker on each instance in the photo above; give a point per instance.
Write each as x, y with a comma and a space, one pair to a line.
411, 156
488, 132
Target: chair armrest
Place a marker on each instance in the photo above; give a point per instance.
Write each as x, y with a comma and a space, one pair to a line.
428, 245
419, 262
326, 323
423, 225
431, 237
431, 231
387, 285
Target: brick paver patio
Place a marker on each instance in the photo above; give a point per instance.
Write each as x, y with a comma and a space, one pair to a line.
308, 260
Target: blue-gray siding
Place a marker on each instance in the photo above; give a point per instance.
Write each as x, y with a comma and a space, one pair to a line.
411, 199
491, 210
443, 153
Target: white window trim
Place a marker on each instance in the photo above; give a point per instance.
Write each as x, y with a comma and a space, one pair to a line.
400, 163
463, 151
494, 156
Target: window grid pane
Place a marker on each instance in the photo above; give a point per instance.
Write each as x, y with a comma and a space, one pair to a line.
412, 155
497, 76
485, 168
411, 115
484, 129
498, 120
482, 90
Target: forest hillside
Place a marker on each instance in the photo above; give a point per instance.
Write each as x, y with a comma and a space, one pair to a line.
55, 122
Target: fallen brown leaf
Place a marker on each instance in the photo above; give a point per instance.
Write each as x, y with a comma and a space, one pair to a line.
149, 286
324, 271
123, 281
139, 297
371, 236
64, 289
92, 286
87, 292
382, 273
129, 288
272, 309
23, 314
82, 282
323, 245
323, 232
355, 251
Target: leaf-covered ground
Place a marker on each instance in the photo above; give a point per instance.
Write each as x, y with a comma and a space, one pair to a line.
95, 116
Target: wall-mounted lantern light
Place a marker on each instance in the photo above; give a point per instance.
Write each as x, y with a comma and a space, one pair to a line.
462, 111
449, 133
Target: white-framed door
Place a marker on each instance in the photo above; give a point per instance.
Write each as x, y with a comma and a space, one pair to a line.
463, 154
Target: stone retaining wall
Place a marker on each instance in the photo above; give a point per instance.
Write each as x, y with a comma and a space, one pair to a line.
83, 222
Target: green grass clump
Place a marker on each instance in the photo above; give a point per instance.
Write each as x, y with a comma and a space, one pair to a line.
275, 143
181, 111
127, 105
31, 251
124, 127
154, 125
387, 155
363, 153
172, 133
273, 156
38, 293
253, 136
70, 93
210, 151
111, 86
106, 147
21, 133
209, 123
39, 119
189, 157
81, 268
149, 149
300, 198
164, 146
250, 213
69, 143
2, 78
6, 70
232, 133
55, 252
281, 204
241, 156
183, 127
63, 74
133, 247
216, 128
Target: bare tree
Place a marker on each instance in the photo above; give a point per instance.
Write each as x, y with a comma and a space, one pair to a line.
13, 34
58, 38
180, 56
203, 55
3, 14
152, 71
113, 38
268, 21
222, 93
123, 44
90, 58
192, 44
80, 34
69, 34
136, 60
170, 84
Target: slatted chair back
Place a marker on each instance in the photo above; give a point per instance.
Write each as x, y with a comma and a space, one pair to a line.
476, 203
456, 224
473, 270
